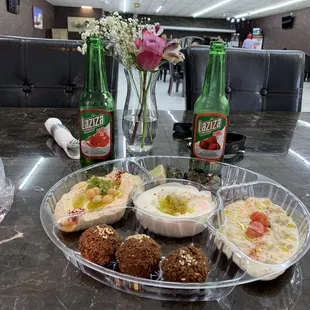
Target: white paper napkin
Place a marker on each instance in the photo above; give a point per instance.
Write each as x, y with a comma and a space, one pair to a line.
63, 137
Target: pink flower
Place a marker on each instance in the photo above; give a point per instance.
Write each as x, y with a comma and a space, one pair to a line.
152, 43
151, 49
138, 42
158, 29
148, 61
172, 52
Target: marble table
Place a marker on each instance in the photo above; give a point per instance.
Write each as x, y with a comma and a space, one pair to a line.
34, 274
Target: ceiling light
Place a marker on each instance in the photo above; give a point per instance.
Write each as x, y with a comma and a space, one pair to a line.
125, 6
210, 8
269, 8
88, 7
159, 9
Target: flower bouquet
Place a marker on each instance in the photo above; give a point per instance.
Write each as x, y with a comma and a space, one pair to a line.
138, 45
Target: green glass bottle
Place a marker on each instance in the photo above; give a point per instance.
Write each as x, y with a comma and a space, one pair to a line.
96, 109
211, 109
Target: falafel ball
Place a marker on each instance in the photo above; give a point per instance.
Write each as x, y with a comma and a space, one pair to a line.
99, 243
188, 264
139, 256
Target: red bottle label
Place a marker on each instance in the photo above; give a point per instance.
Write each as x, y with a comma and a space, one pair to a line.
209, 136
95, 133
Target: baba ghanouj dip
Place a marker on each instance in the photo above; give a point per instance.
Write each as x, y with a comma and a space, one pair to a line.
262, 230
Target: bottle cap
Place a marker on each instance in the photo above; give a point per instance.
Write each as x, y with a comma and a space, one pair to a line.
218, 47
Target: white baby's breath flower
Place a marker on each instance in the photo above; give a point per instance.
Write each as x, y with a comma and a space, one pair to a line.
119, 35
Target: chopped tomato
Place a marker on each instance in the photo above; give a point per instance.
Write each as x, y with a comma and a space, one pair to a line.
260, 217
255, 230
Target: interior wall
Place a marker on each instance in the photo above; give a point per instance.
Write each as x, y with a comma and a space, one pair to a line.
62, 13
192, 22
22, 24
296, 38
183, 33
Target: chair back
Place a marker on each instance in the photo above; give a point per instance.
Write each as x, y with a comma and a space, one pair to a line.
307, 64
45, 72
256, 80
172, 70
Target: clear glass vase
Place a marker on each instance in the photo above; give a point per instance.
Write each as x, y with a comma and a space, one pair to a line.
140, 115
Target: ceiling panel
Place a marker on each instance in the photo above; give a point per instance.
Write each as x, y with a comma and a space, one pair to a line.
187, 7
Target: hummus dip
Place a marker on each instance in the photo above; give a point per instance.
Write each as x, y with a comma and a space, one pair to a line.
261, 229
159, 207
99, 200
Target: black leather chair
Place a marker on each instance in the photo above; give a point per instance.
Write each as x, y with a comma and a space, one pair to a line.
45, 73
265, 80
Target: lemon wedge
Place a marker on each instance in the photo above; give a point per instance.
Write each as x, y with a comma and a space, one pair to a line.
159, 172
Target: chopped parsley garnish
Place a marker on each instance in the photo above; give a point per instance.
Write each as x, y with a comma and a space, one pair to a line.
103, 185
173, 205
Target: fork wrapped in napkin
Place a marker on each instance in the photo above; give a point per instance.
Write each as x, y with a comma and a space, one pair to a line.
63, 137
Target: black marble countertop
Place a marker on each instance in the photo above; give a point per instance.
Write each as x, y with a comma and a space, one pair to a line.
34, 274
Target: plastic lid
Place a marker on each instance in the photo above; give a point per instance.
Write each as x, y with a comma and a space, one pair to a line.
7, 189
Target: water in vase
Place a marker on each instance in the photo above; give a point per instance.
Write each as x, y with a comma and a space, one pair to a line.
140, 135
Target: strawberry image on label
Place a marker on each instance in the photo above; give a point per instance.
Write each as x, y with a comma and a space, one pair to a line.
100, 139
209, 136
95, 134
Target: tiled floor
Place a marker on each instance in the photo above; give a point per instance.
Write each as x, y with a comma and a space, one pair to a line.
176, 101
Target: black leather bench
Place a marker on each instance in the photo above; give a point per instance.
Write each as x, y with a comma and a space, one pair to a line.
45, 73
256, 80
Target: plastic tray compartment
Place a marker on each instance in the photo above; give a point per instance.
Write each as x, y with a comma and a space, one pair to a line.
222, 174
229, 266
64, 186
224, 275
167, 225
7, 190
278, 195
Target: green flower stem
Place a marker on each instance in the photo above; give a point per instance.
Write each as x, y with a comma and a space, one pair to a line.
135, 130
145, 84
133, 81
144, 103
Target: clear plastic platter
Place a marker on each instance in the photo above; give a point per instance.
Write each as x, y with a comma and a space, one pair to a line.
229, 265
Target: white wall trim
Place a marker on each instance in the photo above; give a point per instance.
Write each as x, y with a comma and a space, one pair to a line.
199, 29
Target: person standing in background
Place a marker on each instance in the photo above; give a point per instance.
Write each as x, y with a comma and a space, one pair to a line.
248, 43
196, 42
206, 41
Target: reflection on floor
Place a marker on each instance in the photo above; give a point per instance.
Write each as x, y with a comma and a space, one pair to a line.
306, 98
176, 101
